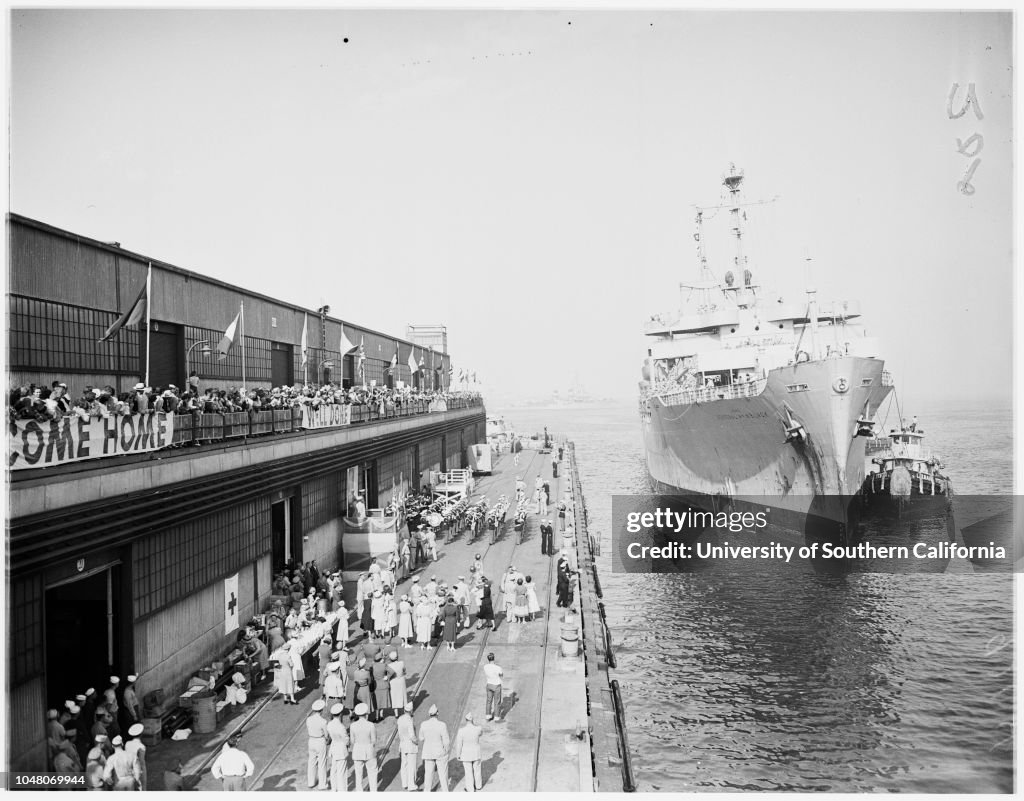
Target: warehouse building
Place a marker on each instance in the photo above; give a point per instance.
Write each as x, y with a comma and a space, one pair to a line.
138, 560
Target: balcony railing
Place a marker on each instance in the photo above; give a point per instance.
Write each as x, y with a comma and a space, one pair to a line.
207, 427
32, 444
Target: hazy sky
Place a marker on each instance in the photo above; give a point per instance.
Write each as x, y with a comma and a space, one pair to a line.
528, 178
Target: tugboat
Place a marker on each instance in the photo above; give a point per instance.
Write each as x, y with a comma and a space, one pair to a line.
905, 486
907, 471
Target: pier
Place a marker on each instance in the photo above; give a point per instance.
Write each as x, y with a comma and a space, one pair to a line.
560, 725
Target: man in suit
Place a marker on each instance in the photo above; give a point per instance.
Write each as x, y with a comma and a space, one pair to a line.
546, 538
339, 750
363, 735
316, 729
408, 746
467, 751
434, 736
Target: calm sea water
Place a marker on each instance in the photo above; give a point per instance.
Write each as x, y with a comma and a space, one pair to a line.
774, 677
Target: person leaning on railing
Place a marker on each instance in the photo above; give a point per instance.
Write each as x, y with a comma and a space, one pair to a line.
31, 402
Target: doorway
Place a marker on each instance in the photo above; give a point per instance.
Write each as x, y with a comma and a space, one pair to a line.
286, 545
83, 621
281, 368
166, 355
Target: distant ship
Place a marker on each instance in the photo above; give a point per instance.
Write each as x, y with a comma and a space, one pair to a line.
746, 399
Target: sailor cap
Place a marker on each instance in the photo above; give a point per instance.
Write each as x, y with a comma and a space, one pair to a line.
136, 730
337, 709
318, 705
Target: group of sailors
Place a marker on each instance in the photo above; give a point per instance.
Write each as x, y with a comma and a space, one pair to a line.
99, 735
333, 748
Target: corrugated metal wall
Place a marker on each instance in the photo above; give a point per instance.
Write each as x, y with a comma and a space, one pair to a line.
430, 454
170, 646
172, 564
26, 713
49, 264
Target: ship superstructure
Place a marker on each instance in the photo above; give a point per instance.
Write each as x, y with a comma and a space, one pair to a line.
746, 396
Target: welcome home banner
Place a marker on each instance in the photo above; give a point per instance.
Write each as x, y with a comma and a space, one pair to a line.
326, 415
34, 443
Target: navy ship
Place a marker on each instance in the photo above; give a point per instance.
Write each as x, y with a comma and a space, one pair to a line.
749, 400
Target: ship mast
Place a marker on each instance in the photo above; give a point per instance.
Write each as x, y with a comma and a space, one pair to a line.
732, 182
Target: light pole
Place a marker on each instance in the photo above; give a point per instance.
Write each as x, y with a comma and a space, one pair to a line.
205, 351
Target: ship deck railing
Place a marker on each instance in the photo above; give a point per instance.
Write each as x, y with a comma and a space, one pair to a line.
677, 396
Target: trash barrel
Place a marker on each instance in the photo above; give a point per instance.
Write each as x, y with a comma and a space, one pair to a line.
204, 714
570, 636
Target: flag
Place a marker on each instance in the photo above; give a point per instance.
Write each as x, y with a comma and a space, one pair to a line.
133, 316
346, 346
228, 339
394, 361
413, 367
305, 349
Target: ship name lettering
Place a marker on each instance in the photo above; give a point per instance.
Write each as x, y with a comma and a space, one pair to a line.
742, 416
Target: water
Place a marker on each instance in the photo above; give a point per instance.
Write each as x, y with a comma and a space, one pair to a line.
774, 677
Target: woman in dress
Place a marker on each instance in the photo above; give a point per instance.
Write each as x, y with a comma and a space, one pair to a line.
366, 618
283, 674
377, 613
450, 614
486, 613
531, 597
396, 676
298, 669
390, 615
291, 621
405, 622
362, 678
381, 686
424, 621
521, 610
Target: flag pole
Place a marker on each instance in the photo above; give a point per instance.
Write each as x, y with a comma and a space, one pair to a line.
149, 308
241, 313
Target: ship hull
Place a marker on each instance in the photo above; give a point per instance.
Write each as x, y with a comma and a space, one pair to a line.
736, 449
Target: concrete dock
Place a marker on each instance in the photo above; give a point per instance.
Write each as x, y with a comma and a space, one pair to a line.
541, 741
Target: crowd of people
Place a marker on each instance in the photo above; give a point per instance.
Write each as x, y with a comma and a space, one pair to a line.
100, 735
32, 402
362, 679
